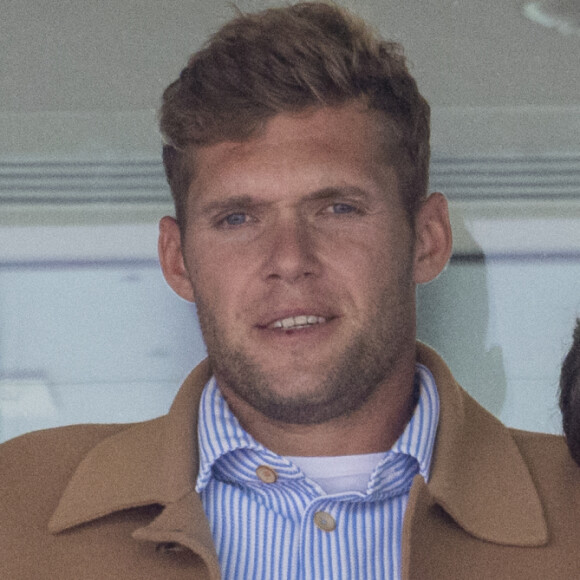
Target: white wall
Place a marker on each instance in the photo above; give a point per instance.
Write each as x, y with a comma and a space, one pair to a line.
504, 326
92, 342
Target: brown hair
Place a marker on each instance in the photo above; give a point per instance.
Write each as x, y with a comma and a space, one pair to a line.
285, 60
570, 395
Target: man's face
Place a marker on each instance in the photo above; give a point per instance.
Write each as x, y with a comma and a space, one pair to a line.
300, 258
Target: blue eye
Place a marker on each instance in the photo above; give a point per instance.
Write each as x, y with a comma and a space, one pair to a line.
342, 208
235, 219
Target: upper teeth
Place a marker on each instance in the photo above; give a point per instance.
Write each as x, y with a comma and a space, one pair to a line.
297, 321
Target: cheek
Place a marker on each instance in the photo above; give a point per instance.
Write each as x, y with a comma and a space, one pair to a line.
221, 282
360, 256
356, 279
377, 270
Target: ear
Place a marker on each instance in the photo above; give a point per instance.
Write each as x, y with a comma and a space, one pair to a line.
433, 238
171, 259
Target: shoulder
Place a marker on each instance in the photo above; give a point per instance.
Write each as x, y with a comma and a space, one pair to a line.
36, 468
56, 448
539, 448
557, 479
548, 460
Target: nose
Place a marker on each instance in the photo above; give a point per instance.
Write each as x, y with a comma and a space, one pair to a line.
291, 254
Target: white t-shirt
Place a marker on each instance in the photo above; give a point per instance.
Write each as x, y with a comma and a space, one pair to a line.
339, 473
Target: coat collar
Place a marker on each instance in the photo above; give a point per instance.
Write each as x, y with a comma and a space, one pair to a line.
154, 462
478, 475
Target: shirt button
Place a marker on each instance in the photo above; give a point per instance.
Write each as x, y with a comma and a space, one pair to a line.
266, 474
324, 521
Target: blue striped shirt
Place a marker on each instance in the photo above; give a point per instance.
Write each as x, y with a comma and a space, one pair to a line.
283, 526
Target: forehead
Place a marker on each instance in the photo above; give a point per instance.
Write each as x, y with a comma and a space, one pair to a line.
330, 143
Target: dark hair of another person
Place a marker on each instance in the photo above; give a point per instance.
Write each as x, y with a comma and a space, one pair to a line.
570, 395
290, 60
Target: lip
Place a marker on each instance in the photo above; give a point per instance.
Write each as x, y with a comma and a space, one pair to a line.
298, 322
309, 337
266, 323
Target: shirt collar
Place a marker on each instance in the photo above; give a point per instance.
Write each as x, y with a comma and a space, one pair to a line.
418, 438
220, 433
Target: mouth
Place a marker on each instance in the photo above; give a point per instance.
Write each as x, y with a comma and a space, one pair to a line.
297, 322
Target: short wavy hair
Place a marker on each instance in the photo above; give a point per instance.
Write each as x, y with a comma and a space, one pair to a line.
570, 395
284, 60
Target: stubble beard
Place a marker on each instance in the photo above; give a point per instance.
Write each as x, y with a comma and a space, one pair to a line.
356, 373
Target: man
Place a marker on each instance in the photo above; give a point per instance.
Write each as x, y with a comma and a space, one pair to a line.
570, 395
318, 440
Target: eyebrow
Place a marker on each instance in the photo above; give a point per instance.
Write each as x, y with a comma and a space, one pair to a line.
231, 203
338, 191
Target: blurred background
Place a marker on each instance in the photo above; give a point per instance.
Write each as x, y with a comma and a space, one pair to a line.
89, 331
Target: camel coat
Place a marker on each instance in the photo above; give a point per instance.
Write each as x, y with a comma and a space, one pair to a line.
99, 502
